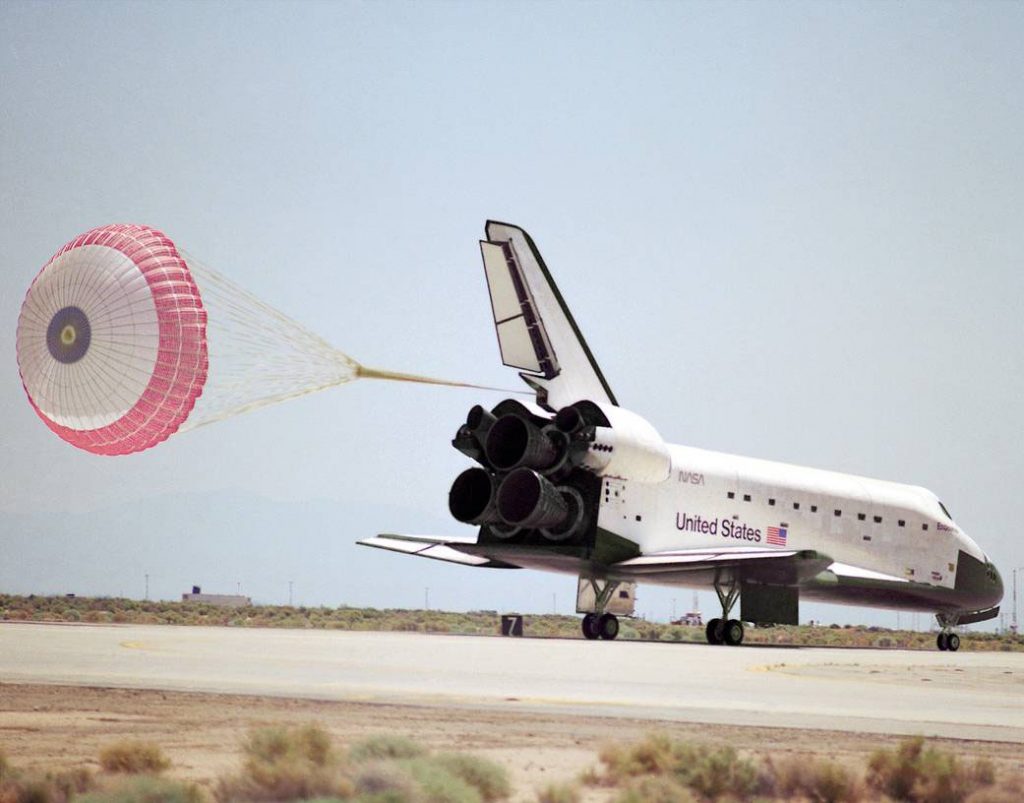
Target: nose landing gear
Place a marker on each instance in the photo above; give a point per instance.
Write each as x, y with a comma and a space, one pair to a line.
725, 630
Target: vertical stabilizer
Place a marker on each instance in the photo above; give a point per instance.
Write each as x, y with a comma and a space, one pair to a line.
536, 332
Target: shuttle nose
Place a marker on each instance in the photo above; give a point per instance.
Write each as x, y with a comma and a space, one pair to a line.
997, 582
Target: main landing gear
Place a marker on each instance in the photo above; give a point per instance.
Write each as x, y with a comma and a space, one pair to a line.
600, 626
947, 639
725, 630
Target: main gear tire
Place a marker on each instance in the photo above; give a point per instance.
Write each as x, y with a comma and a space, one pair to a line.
608, 626
733, 634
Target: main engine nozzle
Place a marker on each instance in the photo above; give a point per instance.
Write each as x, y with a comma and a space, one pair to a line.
528, 500
472, 499
513, 442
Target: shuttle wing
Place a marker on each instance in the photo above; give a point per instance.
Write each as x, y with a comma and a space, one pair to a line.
536, 331
774, 566
428, 546
782, 566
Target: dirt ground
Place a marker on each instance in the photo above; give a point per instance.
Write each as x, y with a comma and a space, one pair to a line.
50, 727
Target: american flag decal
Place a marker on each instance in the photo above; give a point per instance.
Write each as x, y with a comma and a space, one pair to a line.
777, 536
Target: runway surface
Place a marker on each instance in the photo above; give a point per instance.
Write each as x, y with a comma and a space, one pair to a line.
963, 695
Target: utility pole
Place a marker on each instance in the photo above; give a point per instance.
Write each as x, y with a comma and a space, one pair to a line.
673, 609
1013, 627
147, 589
290, 583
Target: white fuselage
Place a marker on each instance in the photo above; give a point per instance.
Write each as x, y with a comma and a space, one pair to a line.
713, 500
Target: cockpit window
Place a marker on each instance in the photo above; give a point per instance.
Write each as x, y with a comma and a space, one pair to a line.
948, 516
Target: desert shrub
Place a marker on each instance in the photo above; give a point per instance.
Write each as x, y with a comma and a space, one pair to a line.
19, 787
717, 771
559, 793
655, 789
1009, 790
656, 753
709, 771
288, 764
915, 773
818, 780
437, 784
385, 782
133, 757
384, 746
145, 789
591, 777
487, 777
310, 744
31, 790
73, 782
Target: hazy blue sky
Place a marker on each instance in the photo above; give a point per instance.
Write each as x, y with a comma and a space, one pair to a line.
790, 230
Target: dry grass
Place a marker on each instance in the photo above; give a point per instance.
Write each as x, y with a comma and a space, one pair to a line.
145, 789
102, 610
559, 793
385, 782
385, 746
304, 764
815, 779
134, 757
21, 787
658, 768
437, 784
914, 772
655, 789
489, 779
288, 764
710, 772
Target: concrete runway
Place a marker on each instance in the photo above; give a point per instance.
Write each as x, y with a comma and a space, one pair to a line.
963, 695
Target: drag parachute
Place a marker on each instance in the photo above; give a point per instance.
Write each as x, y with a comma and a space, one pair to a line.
112, 340
123, 340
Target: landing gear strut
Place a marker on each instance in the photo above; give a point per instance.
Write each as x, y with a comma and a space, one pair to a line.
725, 630
947, 639
601, 625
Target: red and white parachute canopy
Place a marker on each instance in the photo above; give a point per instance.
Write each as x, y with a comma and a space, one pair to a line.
112, 340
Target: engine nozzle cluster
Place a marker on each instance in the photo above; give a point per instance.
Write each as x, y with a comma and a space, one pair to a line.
522, 482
